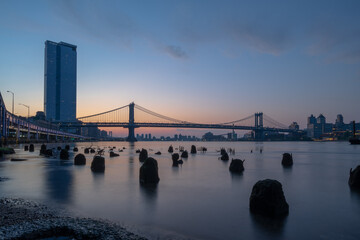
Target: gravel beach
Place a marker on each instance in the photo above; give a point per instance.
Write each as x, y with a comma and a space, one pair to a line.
24, 219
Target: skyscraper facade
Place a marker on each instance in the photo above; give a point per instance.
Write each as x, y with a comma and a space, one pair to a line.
60, 81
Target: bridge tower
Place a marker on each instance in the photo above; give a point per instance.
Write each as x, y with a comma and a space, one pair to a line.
131, 127
259, 127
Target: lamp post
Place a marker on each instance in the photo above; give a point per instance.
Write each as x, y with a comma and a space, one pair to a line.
28, 107
12, 101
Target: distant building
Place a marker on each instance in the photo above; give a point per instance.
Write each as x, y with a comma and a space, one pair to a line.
318, 126
339, 122
60, 81
294, 126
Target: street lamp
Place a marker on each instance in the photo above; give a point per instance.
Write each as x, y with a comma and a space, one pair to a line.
12, 101
28, 107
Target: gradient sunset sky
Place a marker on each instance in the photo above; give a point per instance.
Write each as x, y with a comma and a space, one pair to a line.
198, 61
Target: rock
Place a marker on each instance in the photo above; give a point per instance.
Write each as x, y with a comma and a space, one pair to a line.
354, 178
6, 150
203, 149
75, 149
112, 154
193, 149
149, 172
236, 166
138, 151
158, 153
31, 148
225, 157
92, 150
143, 155
223, 151
98, 164
26, 148
184, 154
171, 149
175, 157
180, 161
42, 149
59, 148
67, 147
267, 198
80, 159
86, 150
64, 154
18, 159
48, 153
287, 160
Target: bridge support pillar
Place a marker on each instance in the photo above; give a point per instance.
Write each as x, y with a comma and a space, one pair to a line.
131, 137
259, 135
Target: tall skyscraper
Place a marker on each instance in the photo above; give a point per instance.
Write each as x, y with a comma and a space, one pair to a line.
60, 81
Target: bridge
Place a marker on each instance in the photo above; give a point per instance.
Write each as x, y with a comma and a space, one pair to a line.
124, 117
28, 131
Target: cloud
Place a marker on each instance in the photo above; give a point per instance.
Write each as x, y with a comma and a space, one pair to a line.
175, 51
336, 40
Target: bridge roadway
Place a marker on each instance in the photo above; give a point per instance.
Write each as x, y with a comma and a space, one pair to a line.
171, 125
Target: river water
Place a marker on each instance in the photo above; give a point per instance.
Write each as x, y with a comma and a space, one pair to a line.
200, 199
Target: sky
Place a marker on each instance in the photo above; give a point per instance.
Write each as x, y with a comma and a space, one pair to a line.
198, 61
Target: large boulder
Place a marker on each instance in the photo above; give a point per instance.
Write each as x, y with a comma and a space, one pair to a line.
193, 149
287, 160
143, 155
175, 156
149, 172
98, 164
31, 148
64, 154
354, 178
236, 166
171, 149
267, 198
42, 149
80, 159
86, 150
184, 154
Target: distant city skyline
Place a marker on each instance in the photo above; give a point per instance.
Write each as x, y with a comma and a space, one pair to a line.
194, 61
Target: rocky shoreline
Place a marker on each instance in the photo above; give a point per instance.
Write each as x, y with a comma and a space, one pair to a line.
25, 219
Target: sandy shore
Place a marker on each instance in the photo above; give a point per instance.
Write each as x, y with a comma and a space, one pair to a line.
24, 219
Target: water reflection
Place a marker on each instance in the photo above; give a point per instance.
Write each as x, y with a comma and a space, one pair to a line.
59, 180
149, 195
98, 178
272, 227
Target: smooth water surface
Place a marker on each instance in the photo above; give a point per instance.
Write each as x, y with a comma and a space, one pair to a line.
200, 199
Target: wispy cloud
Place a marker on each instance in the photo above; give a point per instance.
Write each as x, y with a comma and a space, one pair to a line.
175, 51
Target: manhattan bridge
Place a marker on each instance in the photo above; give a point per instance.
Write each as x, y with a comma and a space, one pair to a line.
130, 116
134, 116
